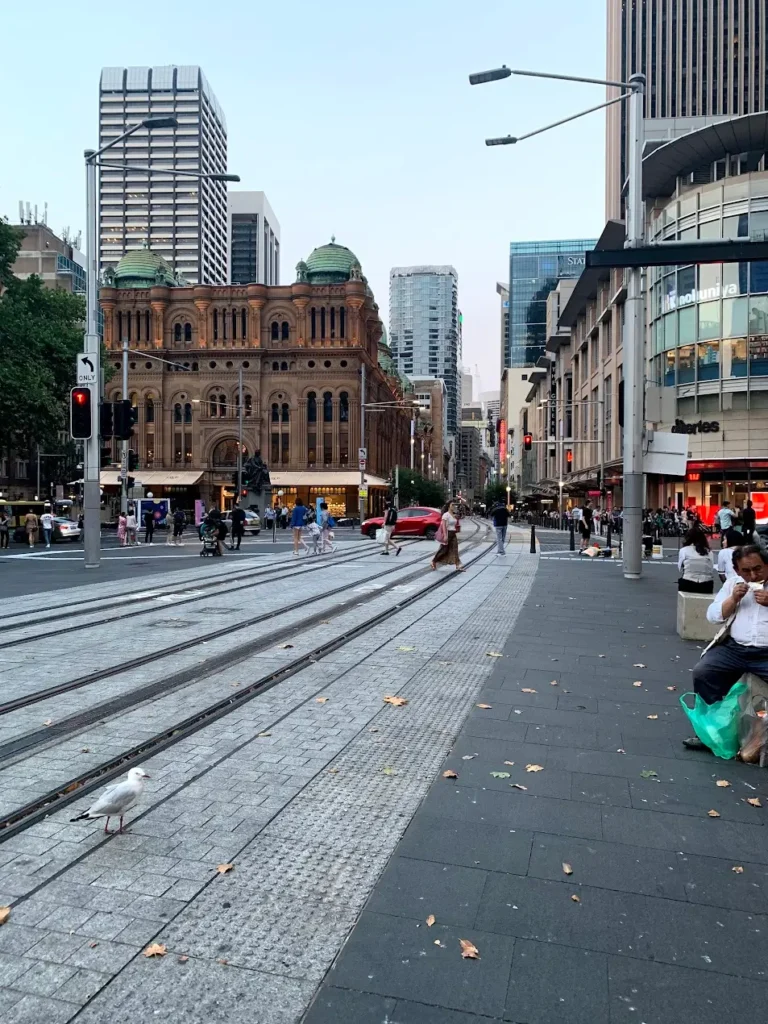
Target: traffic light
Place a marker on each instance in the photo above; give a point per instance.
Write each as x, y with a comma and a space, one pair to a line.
80, 413
569, 459
133, 460
123, 420
129, 482
527, 442
106, 456
106, 420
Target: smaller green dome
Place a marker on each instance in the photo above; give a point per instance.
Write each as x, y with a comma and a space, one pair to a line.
142, 268
331, 263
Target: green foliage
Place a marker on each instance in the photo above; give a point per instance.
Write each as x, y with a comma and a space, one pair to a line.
10, 243
497, 492
416, 489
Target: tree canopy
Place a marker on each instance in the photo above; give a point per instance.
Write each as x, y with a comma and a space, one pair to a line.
416, 489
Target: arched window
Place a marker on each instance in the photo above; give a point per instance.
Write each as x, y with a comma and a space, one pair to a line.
135, 407
213, 407
322, 321
222, 405
119, 325
275, 366
149, 411
224, 323
311, 407
327, 407
215, 325
342, 322
274, 330
177, 413
285, 413
248, 402
243, 323
234, 325
285, 331
188, 412
147, 325
275, 412
177, 332
333, 321
187, 332
224, 455
128, 318
283, 366
344, 407
314, 323
138, 327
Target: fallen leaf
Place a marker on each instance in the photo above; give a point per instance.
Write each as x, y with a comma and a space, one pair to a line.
406, 648
713, 814
263, 734
534, 767
439, 943
182, 959
374, 729
234, 684
285, 647
388, 771
224, 868
450, 774
468, 950
156, 949
485, 707
601, 655
554, 683
431, 920
499, 775
568, 870
671, 689
92, 945
576, 899
468, 757
85, 750
493, 654
509, 762
638, 683
620, 750
72, 787
321, 700
722, 783
516, 785
649, 773
48, 721
225, 962
754, 801
518, 712
527, 689
5, 913
738, 869
397, 702
652, 717
333, 771
638, 664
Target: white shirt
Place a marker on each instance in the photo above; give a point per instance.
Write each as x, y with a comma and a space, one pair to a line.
130, 521
695, 567
725, 563
750, 626
450, 521
46, 521
725, 519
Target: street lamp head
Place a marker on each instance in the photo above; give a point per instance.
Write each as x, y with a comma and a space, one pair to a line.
160, 122
505, 140
223, 177
494, 75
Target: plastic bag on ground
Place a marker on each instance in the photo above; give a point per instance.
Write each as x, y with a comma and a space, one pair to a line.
717, 725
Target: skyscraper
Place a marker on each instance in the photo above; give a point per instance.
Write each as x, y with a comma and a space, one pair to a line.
425, 329
182, 219
703, 60
534, 270
254, 239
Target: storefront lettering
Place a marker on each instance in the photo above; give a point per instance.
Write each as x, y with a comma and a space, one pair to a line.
701, 427
674, 301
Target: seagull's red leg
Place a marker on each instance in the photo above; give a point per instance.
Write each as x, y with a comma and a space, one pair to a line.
106, 824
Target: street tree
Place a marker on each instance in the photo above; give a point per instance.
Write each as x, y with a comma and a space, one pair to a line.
416, 489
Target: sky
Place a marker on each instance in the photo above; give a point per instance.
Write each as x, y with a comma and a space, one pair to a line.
356, 118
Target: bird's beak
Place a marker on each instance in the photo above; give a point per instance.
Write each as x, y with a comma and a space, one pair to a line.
147, 776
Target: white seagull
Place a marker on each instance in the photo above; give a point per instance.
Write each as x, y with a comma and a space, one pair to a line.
117, 799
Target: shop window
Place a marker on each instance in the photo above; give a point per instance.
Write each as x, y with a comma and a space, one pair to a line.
686, 284
710, 278
735, 357
709, 320
758, 315
686, 371
708, 360
669, 292
758, 356
758, 226
327, 407
686, 324
734, 318
759, 277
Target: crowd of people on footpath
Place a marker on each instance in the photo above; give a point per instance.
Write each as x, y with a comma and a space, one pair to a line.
698, 564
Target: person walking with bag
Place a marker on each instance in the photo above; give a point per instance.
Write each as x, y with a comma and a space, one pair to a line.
500, 516
390, 521
448, 536
298, 519
31, 526
4, 530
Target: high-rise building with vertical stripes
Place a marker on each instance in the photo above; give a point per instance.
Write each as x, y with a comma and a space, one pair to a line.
704, 60
182, 219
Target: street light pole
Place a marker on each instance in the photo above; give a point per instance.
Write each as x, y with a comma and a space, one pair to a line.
240, 432
124, 441
361, 499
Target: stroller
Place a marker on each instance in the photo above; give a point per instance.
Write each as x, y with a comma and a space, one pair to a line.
208, 536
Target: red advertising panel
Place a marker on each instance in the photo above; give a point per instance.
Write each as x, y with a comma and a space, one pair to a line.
502, 442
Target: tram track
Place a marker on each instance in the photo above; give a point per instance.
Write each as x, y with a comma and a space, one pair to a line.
74, 788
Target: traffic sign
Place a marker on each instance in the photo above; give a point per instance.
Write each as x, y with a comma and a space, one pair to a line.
87, 368
361, 464
362, 454
363, 492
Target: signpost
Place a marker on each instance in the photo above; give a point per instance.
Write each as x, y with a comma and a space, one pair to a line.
362, 457
87, 371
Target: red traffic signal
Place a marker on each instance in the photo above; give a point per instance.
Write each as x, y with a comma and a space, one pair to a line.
527, 442
80, 425
569, 455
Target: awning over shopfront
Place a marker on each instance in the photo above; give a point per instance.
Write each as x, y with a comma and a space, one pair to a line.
154, 478
343, 478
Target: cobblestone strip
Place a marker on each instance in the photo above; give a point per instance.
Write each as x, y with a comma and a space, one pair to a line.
296, 889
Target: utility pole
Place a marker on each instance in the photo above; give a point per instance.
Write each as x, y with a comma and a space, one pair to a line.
92, 445
37, 492
124, 442
240, 435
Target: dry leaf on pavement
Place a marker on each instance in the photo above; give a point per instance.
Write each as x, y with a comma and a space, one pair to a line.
397, 702
48, 721
754, 801
499, 775
620, 750
263, 735
468, 950
485, 707
576, 899
638, 664
516, 785
156, 949
285, 646
534, 767
738, 869
638, 683
509, 762
469, 757
649, 773
321, 700
554, 682
527, 689
450, 774
713, 814
406, 648
430, 920
182, 959
652, 717
5, 913
722, 783
388, 771
567, 869
439, 943
671, 689
494, 654
224, 868
601, 655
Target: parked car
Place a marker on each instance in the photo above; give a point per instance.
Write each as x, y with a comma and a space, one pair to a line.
414, 522
65, 529
252, 523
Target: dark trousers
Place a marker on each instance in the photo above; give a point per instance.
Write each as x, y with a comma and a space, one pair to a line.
3, 539
724, 665
237, 536
148, 532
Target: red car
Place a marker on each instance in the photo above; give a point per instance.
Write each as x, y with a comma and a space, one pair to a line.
415, 522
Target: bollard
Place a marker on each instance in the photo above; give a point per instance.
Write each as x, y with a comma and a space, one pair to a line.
533, 538
572, 537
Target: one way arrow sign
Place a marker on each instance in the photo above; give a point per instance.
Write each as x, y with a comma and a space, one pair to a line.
86, 368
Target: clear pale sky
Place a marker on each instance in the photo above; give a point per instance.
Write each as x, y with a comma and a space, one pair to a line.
356, 119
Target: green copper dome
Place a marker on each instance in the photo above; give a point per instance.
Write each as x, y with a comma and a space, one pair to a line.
331, 264
141, 268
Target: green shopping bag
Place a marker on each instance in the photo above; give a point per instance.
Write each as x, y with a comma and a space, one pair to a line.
717, 724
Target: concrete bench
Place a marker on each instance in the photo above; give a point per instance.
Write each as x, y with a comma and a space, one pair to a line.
692, 617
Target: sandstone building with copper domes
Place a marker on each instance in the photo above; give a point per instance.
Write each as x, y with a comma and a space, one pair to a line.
301, 348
